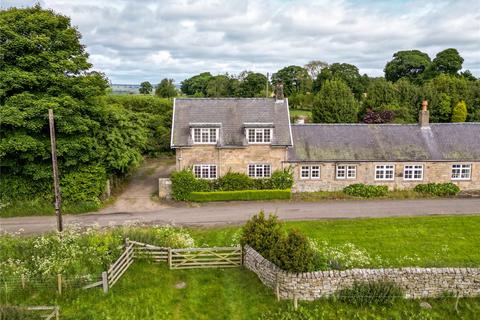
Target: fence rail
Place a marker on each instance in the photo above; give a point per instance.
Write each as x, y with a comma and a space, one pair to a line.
54, 311
217, 257
119, 267
143, 250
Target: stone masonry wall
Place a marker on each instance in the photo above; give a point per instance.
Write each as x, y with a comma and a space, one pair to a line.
416, 282
234, 159
438, 172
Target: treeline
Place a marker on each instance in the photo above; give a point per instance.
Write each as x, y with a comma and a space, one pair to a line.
339, 93
44, 66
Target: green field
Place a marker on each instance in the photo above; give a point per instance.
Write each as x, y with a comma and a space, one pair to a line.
149, 291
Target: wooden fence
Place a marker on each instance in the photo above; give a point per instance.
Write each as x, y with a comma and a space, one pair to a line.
52, 312
217, 257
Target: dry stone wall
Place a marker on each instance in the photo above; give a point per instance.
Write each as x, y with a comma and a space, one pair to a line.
415, 282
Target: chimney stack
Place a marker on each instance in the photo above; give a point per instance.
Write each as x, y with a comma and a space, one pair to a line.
424, 116
279, 92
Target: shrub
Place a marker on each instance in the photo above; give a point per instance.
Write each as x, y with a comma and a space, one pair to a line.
262, 184
384, 293
241, 195
234, 181
262, 234
365, 191
184, 183
282, 179
438, 189
294, 253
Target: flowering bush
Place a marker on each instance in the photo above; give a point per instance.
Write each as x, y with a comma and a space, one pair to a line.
162, 236
345, 256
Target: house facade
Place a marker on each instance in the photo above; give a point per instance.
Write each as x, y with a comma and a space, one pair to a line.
254, 136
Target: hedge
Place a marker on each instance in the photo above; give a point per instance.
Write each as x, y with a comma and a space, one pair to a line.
365, 191
239, 195
438, 189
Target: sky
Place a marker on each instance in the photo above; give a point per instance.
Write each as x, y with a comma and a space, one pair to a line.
145, 40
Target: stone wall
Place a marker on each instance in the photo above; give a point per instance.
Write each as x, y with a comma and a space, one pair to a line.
437, 172
165, 188
231, 159
415, 282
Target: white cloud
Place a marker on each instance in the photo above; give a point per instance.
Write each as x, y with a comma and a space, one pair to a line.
137, 40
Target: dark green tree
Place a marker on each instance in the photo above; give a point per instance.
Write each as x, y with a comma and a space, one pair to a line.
334, 103
348, 73
218, 86
409, 64
295, 80
380, 93
145, 87
166, 89
253, 85
196, 85
44, 66
447, 61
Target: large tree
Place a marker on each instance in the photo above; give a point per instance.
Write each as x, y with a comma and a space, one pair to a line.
145, 87
314, 68
295, 80
447, 61
348, 73
166, 89
334, 103
196, 85
44, 66
254, 84
409, 64
218, 86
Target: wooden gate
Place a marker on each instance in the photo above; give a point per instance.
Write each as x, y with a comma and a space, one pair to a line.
216, 257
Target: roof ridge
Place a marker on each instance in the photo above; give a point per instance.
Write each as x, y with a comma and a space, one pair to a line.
225, 98
381, 124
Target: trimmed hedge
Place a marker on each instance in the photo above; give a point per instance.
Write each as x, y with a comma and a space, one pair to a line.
365, 191
239, 195
438, 189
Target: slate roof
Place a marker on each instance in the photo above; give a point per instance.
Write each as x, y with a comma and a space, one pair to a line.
233, 115
385, 142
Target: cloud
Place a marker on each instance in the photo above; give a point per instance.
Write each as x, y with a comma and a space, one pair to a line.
133, 41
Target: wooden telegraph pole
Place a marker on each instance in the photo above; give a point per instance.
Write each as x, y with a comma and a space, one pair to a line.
56, 183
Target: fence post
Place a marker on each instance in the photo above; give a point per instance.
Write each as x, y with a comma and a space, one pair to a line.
57, 313
295, 302
23, 281
277, 287
59, 283
170, 258
105, 281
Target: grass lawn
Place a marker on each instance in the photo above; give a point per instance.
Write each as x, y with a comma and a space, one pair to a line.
446, 241
148, 291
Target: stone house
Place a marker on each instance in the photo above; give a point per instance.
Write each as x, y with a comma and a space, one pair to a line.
213, 136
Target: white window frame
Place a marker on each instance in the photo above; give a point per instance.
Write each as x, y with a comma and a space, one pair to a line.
347, 170
204, 132
412, 170
309, 170
384, 169
458, 169
208, 168
259, 166
259, 135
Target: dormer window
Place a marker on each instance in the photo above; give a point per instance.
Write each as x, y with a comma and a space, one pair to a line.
205, 135
259, 135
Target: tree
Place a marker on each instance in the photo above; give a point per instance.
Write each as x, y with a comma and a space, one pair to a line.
145, 87
295, 80
196, 85
218, 86
380, 93
253, 85
409, 64
334, 103
459, 113
45, 66
166, 89
348, 73
314, 68
447, 61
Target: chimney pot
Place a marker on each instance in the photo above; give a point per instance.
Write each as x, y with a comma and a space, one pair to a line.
424, 116
424, 105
